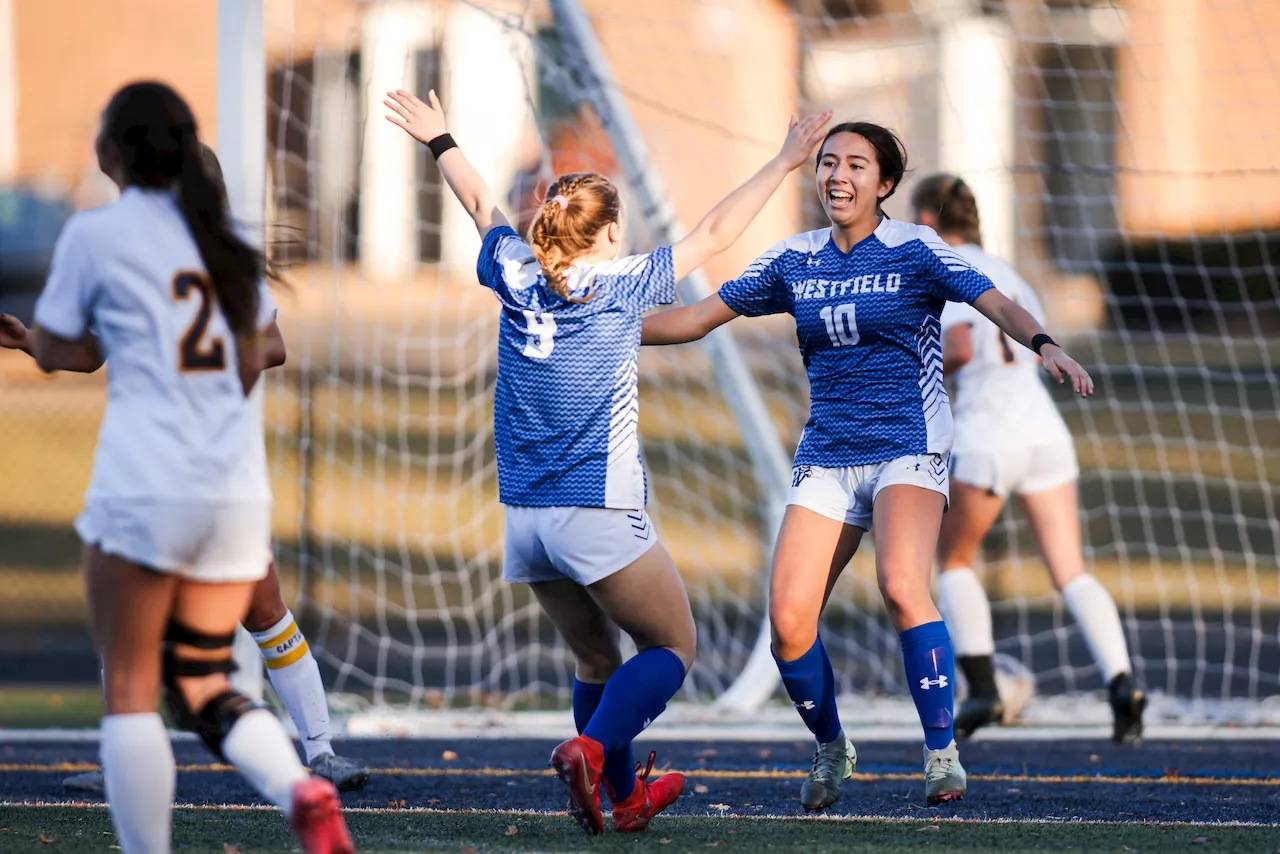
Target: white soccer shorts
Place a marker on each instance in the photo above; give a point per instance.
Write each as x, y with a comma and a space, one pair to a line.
1017, 470
848, 493
211, 542
582, 544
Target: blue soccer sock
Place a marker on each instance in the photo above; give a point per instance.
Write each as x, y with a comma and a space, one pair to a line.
620, 767
811, 685
931, 674
632, 699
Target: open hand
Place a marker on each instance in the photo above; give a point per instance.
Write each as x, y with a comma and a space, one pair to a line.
422, 121
1062, 367
13, 334
803, 135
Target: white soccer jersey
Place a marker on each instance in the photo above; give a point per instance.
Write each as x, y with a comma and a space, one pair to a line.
177, 424
1001, 399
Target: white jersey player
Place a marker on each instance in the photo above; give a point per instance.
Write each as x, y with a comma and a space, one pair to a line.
1009, 440
293, 669
177, 531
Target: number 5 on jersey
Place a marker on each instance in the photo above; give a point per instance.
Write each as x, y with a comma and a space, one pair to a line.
540, 334
194, 352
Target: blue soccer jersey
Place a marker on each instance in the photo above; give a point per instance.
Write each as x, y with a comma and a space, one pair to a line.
566, 407
868, 326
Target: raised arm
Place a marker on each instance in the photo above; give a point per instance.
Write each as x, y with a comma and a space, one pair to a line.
425, 123
1022, 326
687, 323
725, 223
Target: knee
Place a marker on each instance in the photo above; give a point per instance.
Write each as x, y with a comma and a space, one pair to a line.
686, 650
264, 614
906, 598
794, 626
196, 691
597, 665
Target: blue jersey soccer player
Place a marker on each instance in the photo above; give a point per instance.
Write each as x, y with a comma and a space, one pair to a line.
866, 293
566, 410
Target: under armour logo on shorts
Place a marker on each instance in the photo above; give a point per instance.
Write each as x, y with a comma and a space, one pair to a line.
940, 682
798, 475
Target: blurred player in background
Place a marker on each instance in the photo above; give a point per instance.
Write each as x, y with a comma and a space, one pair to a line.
176, 530
867, 293
1009, 439
569, 467
293, 670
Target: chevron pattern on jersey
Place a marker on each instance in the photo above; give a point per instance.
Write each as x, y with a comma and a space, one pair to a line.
929, 346
564, 411
867, 324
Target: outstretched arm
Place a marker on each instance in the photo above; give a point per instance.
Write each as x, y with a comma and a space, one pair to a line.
58, 354
1020, 325
725, 223
425, 122
687, 323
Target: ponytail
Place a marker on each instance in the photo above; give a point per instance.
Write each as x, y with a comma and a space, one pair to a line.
953, 205
234, 267
577, 207
152, 131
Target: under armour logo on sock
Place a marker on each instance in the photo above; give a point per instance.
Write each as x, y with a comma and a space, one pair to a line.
940, 682
807, 704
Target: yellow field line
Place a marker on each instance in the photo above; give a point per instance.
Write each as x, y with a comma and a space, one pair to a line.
888, 776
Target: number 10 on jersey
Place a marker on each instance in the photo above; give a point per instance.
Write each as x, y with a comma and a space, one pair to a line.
842, 324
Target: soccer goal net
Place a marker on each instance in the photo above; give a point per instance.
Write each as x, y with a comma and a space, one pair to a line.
1122, 154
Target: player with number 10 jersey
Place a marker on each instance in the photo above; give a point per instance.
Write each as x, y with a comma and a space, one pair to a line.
867, 321
867, 294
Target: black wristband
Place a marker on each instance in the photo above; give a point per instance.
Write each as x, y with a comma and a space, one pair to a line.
440, 144
1040, 340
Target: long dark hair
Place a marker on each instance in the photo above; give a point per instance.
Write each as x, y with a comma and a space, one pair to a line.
154, 132
891, 154
953, 205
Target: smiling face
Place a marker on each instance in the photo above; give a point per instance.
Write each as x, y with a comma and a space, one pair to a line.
849, 182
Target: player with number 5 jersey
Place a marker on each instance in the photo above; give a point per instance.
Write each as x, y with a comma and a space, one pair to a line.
867, 294
566, 412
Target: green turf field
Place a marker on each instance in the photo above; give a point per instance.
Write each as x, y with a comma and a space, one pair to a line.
258, 831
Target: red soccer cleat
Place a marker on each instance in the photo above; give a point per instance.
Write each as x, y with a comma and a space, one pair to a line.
579, 763
647, 799
317, 818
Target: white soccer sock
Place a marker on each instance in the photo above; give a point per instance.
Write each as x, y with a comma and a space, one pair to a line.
262, 751
137, 762
1095, 611
295, 675
966, 611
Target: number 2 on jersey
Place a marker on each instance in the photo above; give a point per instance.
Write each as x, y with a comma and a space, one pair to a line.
842, 324
194, 352
540, 334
